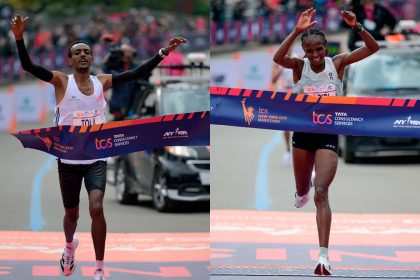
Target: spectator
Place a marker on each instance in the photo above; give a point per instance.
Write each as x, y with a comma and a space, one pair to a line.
176, 58
218, 12
377, 19
121, 60
239, 10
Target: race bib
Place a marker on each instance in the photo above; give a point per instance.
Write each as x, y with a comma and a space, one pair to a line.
327, 90
369, 24
87, 117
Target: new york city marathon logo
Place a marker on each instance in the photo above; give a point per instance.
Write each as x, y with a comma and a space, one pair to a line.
177, 133
262, 115
47, 141
408, 123
248, 112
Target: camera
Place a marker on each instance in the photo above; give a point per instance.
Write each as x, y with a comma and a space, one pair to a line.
114, 61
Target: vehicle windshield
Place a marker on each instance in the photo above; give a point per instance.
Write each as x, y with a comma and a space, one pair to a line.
388, 73
178, 101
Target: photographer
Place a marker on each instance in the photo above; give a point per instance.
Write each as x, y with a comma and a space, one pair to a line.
120, 59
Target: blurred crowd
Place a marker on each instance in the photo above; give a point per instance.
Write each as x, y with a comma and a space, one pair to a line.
144, 30
233, 10
265, 21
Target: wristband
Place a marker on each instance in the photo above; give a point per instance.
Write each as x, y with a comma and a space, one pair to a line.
358, 27
161, 54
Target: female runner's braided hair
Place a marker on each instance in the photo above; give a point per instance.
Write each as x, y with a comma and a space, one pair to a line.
314, 32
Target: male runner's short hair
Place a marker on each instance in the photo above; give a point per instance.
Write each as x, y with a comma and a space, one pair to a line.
75, 43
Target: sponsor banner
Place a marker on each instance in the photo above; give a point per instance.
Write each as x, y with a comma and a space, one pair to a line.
31, 104
7, 113
116, 138
359, 116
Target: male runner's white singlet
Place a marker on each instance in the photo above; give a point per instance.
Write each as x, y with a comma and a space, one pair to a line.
325, 83
77, 108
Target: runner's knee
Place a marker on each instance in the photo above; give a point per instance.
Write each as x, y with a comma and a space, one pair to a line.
321, 196
72, 214
96, 209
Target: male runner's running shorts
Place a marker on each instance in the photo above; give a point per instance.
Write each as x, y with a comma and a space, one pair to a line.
71, 175
314, 141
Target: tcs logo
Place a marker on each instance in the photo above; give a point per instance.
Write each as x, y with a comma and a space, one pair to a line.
103, 143
321, 118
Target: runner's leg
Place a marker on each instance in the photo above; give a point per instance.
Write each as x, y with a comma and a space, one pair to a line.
325, 169
95, 182
98, 229
303, 162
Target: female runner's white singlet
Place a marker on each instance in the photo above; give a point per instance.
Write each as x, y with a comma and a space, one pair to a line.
325, 83
78, 109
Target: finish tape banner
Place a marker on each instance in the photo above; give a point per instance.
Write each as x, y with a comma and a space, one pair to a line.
121, 137
359, 116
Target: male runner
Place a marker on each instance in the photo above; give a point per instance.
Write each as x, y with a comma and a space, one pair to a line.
80, 101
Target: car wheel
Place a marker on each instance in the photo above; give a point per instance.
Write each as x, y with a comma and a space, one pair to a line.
348, 156
121, 186
161, 201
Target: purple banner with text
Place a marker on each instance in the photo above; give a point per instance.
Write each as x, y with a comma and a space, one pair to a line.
122, 137
361, 116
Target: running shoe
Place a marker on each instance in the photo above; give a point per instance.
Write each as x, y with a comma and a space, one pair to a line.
67, 260
99, 275
301, 201
323, 266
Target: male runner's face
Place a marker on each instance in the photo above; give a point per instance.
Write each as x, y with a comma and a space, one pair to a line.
81, 57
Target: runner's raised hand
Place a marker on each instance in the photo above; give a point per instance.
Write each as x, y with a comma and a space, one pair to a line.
18, 26
173, 44
305, 20
349, 18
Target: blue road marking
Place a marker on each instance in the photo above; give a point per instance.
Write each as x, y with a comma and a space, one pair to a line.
262, 199
36, 220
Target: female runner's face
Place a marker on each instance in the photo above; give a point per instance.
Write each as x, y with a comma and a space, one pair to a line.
315, 50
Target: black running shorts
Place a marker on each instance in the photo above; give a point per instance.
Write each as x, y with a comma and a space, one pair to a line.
71, 175
314, 141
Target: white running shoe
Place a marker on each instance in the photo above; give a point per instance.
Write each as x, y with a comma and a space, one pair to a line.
67, 260
287, 158
99, 275
323, 266
301, 201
